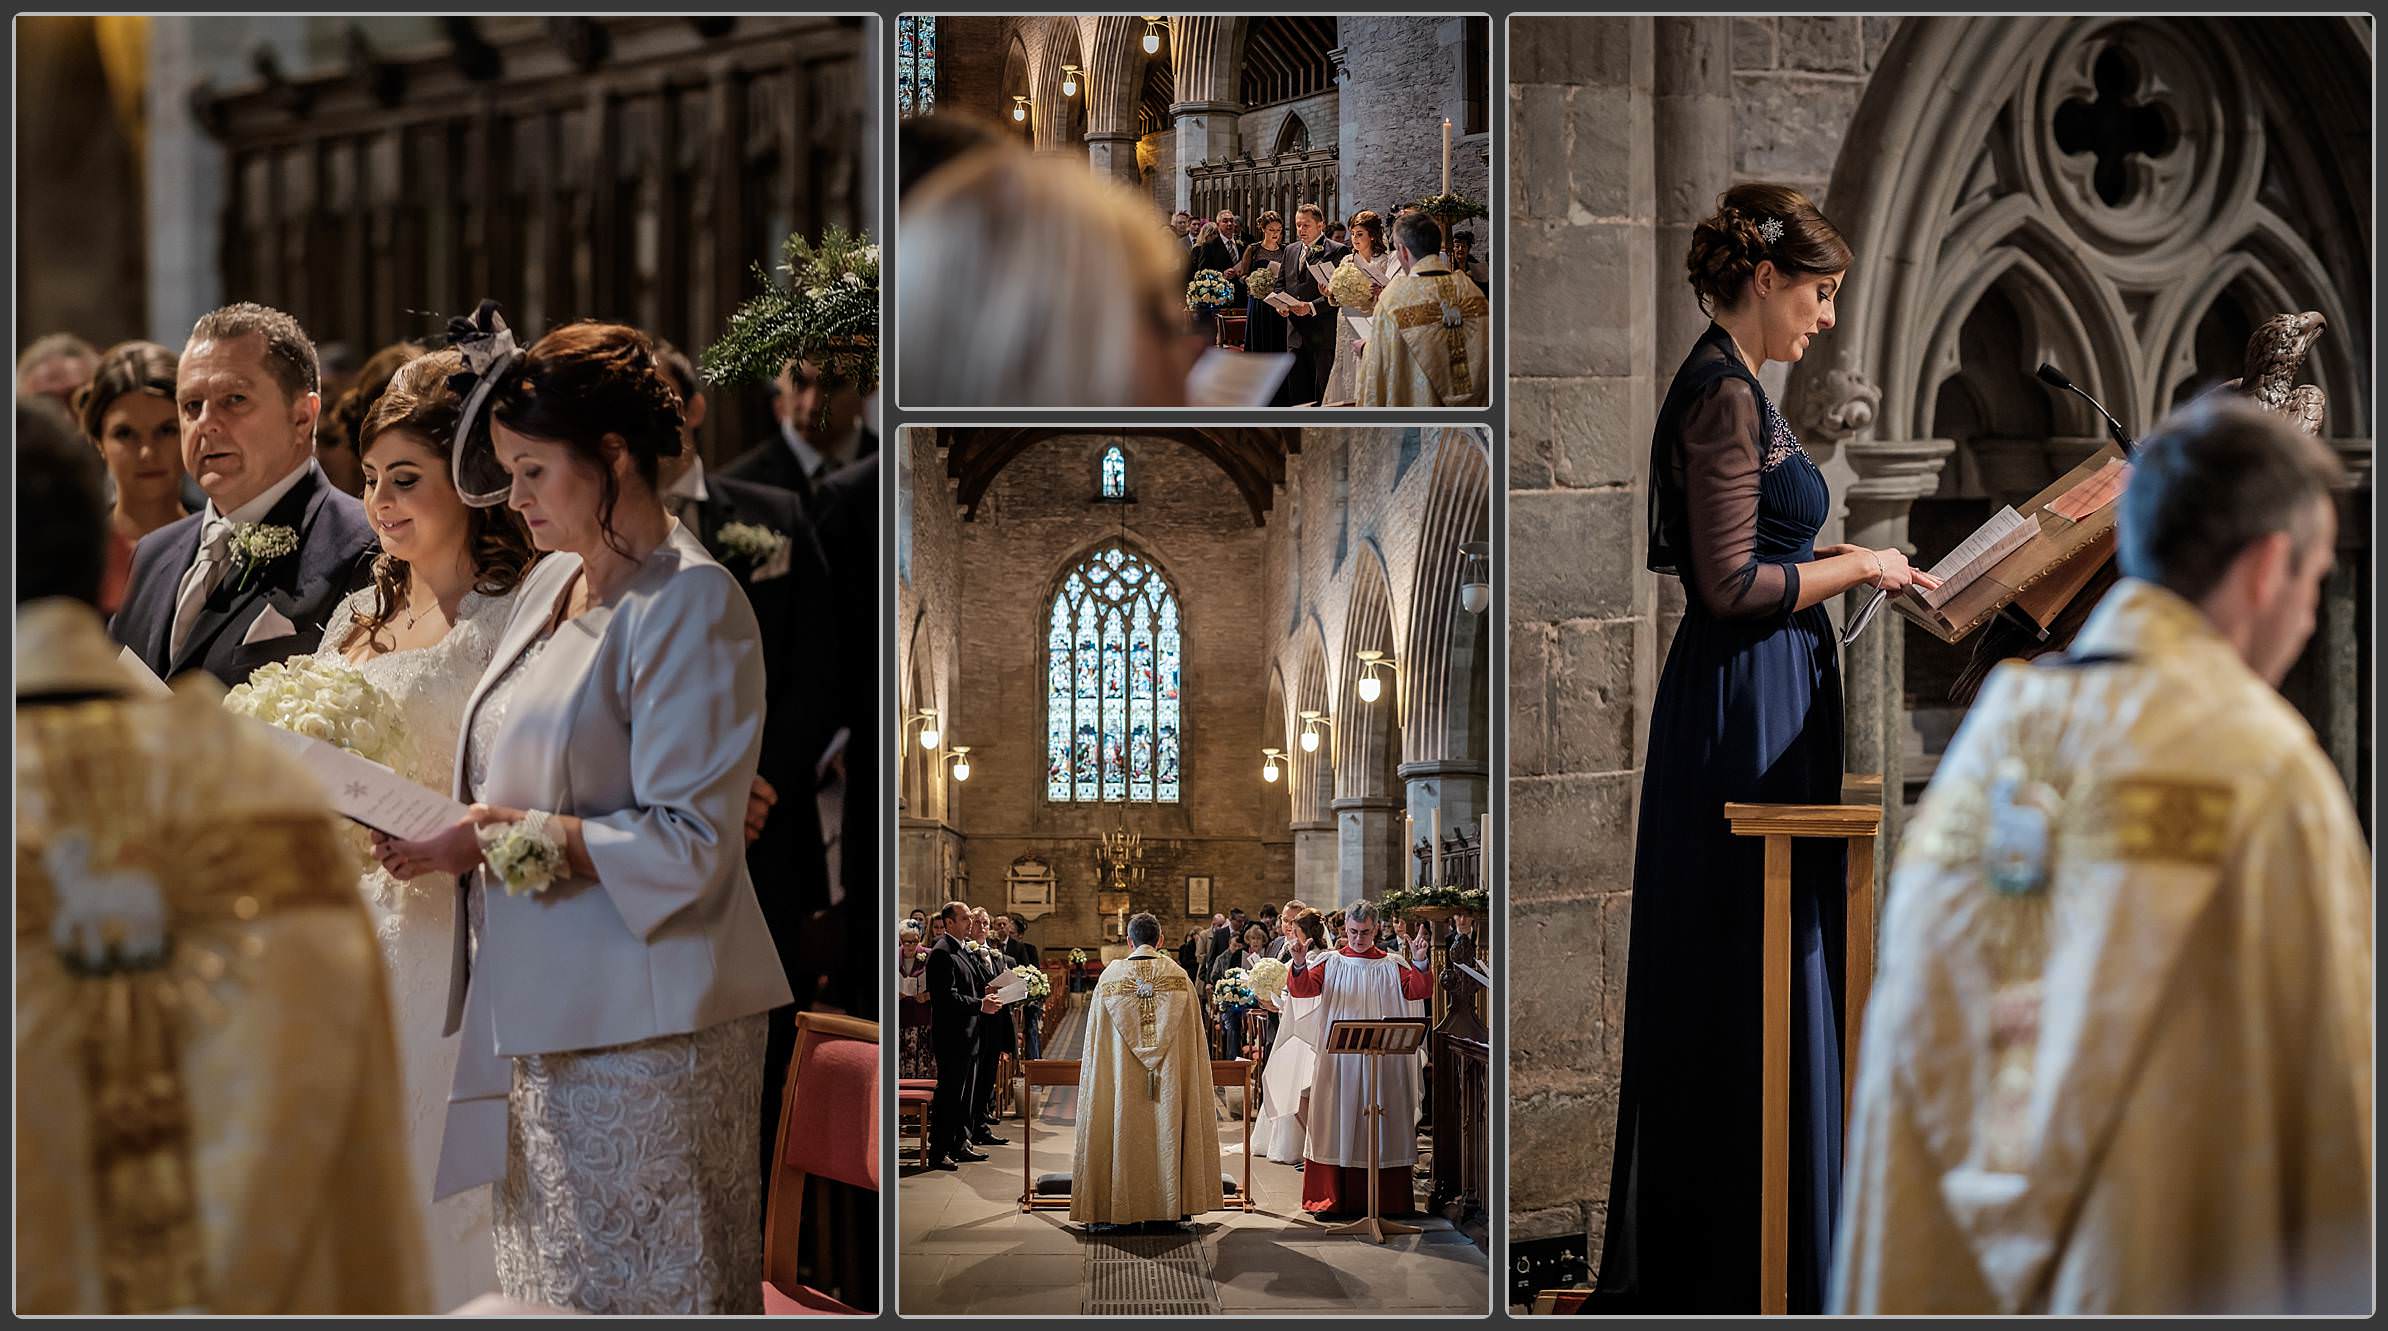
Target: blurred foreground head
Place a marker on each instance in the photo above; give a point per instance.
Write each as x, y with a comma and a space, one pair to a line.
1027, 282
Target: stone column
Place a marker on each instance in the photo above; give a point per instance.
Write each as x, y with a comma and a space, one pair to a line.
1206, 132
1113, 157
1367, 839
2344, 712
1453, 788
1314, 856
1691, 120
1891, 476
1582, 650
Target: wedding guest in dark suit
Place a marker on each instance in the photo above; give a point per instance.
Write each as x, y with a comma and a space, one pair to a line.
994, 1036
1032, 1012
762, 537
821, 428
957, 1003
846, 517
1310, 333
253, 576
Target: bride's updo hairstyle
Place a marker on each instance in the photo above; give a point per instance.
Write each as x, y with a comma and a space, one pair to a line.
585, 381
1728, 246
418, 401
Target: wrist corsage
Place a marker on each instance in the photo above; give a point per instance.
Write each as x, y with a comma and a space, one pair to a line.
526, 856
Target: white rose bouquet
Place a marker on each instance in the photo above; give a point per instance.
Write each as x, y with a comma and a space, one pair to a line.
326, 700
1351, 287
1077, 956
1039, 987
1261, 281
1268, 980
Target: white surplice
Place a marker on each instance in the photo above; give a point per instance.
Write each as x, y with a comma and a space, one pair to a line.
1357, 988
2143, 1085
1293, 1061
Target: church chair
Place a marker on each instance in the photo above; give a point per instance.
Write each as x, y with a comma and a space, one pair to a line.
914, 1095
1858, 822
828, 1126
1231, 331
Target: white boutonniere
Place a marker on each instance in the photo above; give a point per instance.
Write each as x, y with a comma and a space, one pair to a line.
751, 541
256, 544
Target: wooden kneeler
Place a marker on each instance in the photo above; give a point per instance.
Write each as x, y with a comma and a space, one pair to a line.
1858, 824
1037, 1072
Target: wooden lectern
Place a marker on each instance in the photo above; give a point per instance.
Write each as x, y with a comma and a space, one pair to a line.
1398, 1037
1857, 823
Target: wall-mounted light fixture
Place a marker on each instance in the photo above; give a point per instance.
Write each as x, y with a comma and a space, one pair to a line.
926, 719
1475, 577
1372, 685
1019, 107
1311, 721
1152, 34
1069, 80
1268, 764
960, 758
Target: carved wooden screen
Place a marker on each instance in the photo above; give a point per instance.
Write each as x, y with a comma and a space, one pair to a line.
1248, 187
629, 169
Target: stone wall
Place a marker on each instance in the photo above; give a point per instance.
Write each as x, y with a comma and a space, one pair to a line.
1403, 75
1796, 83
928, 596
1257, 129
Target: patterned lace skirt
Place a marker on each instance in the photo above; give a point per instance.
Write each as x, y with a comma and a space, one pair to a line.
630, 1176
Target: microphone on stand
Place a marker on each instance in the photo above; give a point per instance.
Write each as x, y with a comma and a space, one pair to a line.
2055, 378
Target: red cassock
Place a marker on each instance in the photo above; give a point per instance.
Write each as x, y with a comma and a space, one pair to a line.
1360, 986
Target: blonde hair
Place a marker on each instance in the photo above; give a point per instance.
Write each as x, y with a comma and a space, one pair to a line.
1001, 248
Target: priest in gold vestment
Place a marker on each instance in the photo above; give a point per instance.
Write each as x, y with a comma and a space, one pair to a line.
1429, 339
2118, 1056
1148, 1134
208, 1105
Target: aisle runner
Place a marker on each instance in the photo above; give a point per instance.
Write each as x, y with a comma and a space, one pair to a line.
1156, 1275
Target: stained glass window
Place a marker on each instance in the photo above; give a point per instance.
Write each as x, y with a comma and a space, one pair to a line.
1111, 683
916, 65
1115, 472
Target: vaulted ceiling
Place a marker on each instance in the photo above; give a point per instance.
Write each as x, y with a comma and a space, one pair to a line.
1252, 457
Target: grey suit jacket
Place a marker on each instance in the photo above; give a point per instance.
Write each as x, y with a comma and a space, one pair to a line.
643, 717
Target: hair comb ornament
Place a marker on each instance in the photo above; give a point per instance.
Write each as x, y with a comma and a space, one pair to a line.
1771, 230
490, 354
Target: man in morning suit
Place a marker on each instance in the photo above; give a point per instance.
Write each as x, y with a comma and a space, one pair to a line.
253, 576
788, 586
1310, 333
957, 1003
820, 429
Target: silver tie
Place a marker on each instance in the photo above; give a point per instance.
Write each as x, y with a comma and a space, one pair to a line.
197, 584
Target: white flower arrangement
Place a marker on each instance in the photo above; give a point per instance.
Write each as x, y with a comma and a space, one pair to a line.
525, 855
1077, 956
1351, 287
327, 700
752, 541
1209, 290
1268, 980
1234, 989
1038, 985
1261, 281
256, 544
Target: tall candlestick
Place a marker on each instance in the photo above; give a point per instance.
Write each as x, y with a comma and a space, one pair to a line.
1446, 154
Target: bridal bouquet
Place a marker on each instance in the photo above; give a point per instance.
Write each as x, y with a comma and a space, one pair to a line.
826, 312
1234, 989
1351, 287
1209, 290
1261, 281
1039, 987
1268, 980
326, 700
1077, 956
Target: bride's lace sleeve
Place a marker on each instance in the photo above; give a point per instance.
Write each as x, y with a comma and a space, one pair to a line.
343, 621
1720, 437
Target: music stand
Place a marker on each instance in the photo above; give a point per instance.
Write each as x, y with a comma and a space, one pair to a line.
1397, 1037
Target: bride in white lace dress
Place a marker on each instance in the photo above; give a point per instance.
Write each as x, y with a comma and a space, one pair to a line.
442, 593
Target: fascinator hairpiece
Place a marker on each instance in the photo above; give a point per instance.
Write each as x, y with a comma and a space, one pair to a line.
490, 354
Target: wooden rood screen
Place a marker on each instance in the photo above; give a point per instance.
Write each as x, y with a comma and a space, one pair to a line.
621, 168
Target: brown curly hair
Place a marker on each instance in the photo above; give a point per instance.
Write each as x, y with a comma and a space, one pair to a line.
1728, 246
346, 415
1373, 223
416, 399
588, 380
124, 369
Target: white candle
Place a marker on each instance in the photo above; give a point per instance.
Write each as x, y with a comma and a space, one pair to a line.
1446, 154
1437, 815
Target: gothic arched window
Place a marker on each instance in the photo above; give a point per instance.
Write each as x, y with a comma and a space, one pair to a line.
1112, 687
1113, 482
916, 65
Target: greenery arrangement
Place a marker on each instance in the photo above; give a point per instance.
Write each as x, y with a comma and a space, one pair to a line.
1451, 208
825, 311
1402, 900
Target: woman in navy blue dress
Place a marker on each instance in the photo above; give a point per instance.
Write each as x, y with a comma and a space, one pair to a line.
1748, 709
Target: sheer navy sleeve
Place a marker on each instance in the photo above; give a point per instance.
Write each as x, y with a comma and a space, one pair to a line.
1721, 435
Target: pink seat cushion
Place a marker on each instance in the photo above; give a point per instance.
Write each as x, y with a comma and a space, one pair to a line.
803, 1303
833, 1124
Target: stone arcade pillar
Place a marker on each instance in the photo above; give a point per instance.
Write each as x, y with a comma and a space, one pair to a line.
1206, 57
1206, 132
1454, 788
1891, 476
1314, 858
1367, 836
1113, 157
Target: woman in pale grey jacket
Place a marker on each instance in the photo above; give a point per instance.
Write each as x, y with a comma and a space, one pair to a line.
613, 1021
